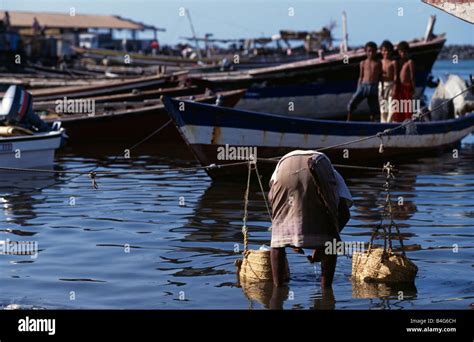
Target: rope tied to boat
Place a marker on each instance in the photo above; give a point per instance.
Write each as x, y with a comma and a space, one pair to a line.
415, 117
246, 204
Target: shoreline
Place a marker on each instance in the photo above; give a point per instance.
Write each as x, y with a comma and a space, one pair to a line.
464, 52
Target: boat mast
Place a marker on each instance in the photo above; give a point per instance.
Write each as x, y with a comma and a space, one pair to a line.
429, 27
188, 15
345, 36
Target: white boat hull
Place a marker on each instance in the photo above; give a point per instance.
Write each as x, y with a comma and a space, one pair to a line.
199, 135
29, 151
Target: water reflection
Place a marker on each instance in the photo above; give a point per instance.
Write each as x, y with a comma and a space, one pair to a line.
385, 296
265, 294
20, 194
381, 290
218, 214
192, 248
324, 300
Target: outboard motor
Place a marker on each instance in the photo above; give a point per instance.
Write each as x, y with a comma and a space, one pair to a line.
17, 109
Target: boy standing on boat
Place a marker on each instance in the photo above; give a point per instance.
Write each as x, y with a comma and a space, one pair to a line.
310, 206
405, 87
369, 77
387, 84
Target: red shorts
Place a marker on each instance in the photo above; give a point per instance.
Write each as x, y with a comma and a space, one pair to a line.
404, 91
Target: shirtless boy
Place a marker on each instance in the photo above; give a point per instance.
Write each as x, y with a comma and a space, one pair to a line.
405, 87
387, 83
369, 77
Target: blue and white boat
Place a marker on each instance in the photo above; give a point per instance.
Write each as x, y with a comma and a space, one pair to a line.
211, 130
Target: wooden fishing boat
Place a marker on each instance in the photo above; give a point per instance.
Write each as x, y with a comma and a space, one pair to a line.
147, 60
35, 83
108, 88
34, 77
121, 70
324, 83
130, 121
219, 135
132, 96
21, 149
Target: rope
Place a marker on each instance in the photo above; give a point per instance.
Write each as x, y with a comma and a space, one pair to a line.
246, 204
194, 168
368, 168
263, 192
151, 135
92, 174
355, 167
388, 131
387, 213
415, 117
388, 167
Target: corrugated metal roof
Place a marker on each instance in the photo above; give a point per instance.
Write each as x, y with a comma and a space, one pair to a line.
65, 20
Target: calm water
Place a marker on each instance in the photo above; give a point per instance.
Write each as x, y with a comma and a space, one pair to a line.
182, 256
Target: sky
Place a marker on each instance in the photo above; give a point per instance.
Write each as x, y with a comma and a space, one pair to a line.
367, 19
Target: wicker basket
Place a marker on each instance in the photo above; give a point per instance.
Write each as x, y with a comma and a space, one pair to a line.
256, 267
379, 266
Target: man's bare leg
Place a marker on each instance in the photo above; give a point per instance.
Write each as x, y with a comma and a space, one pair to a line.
277, 256
315, 257
328, 267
